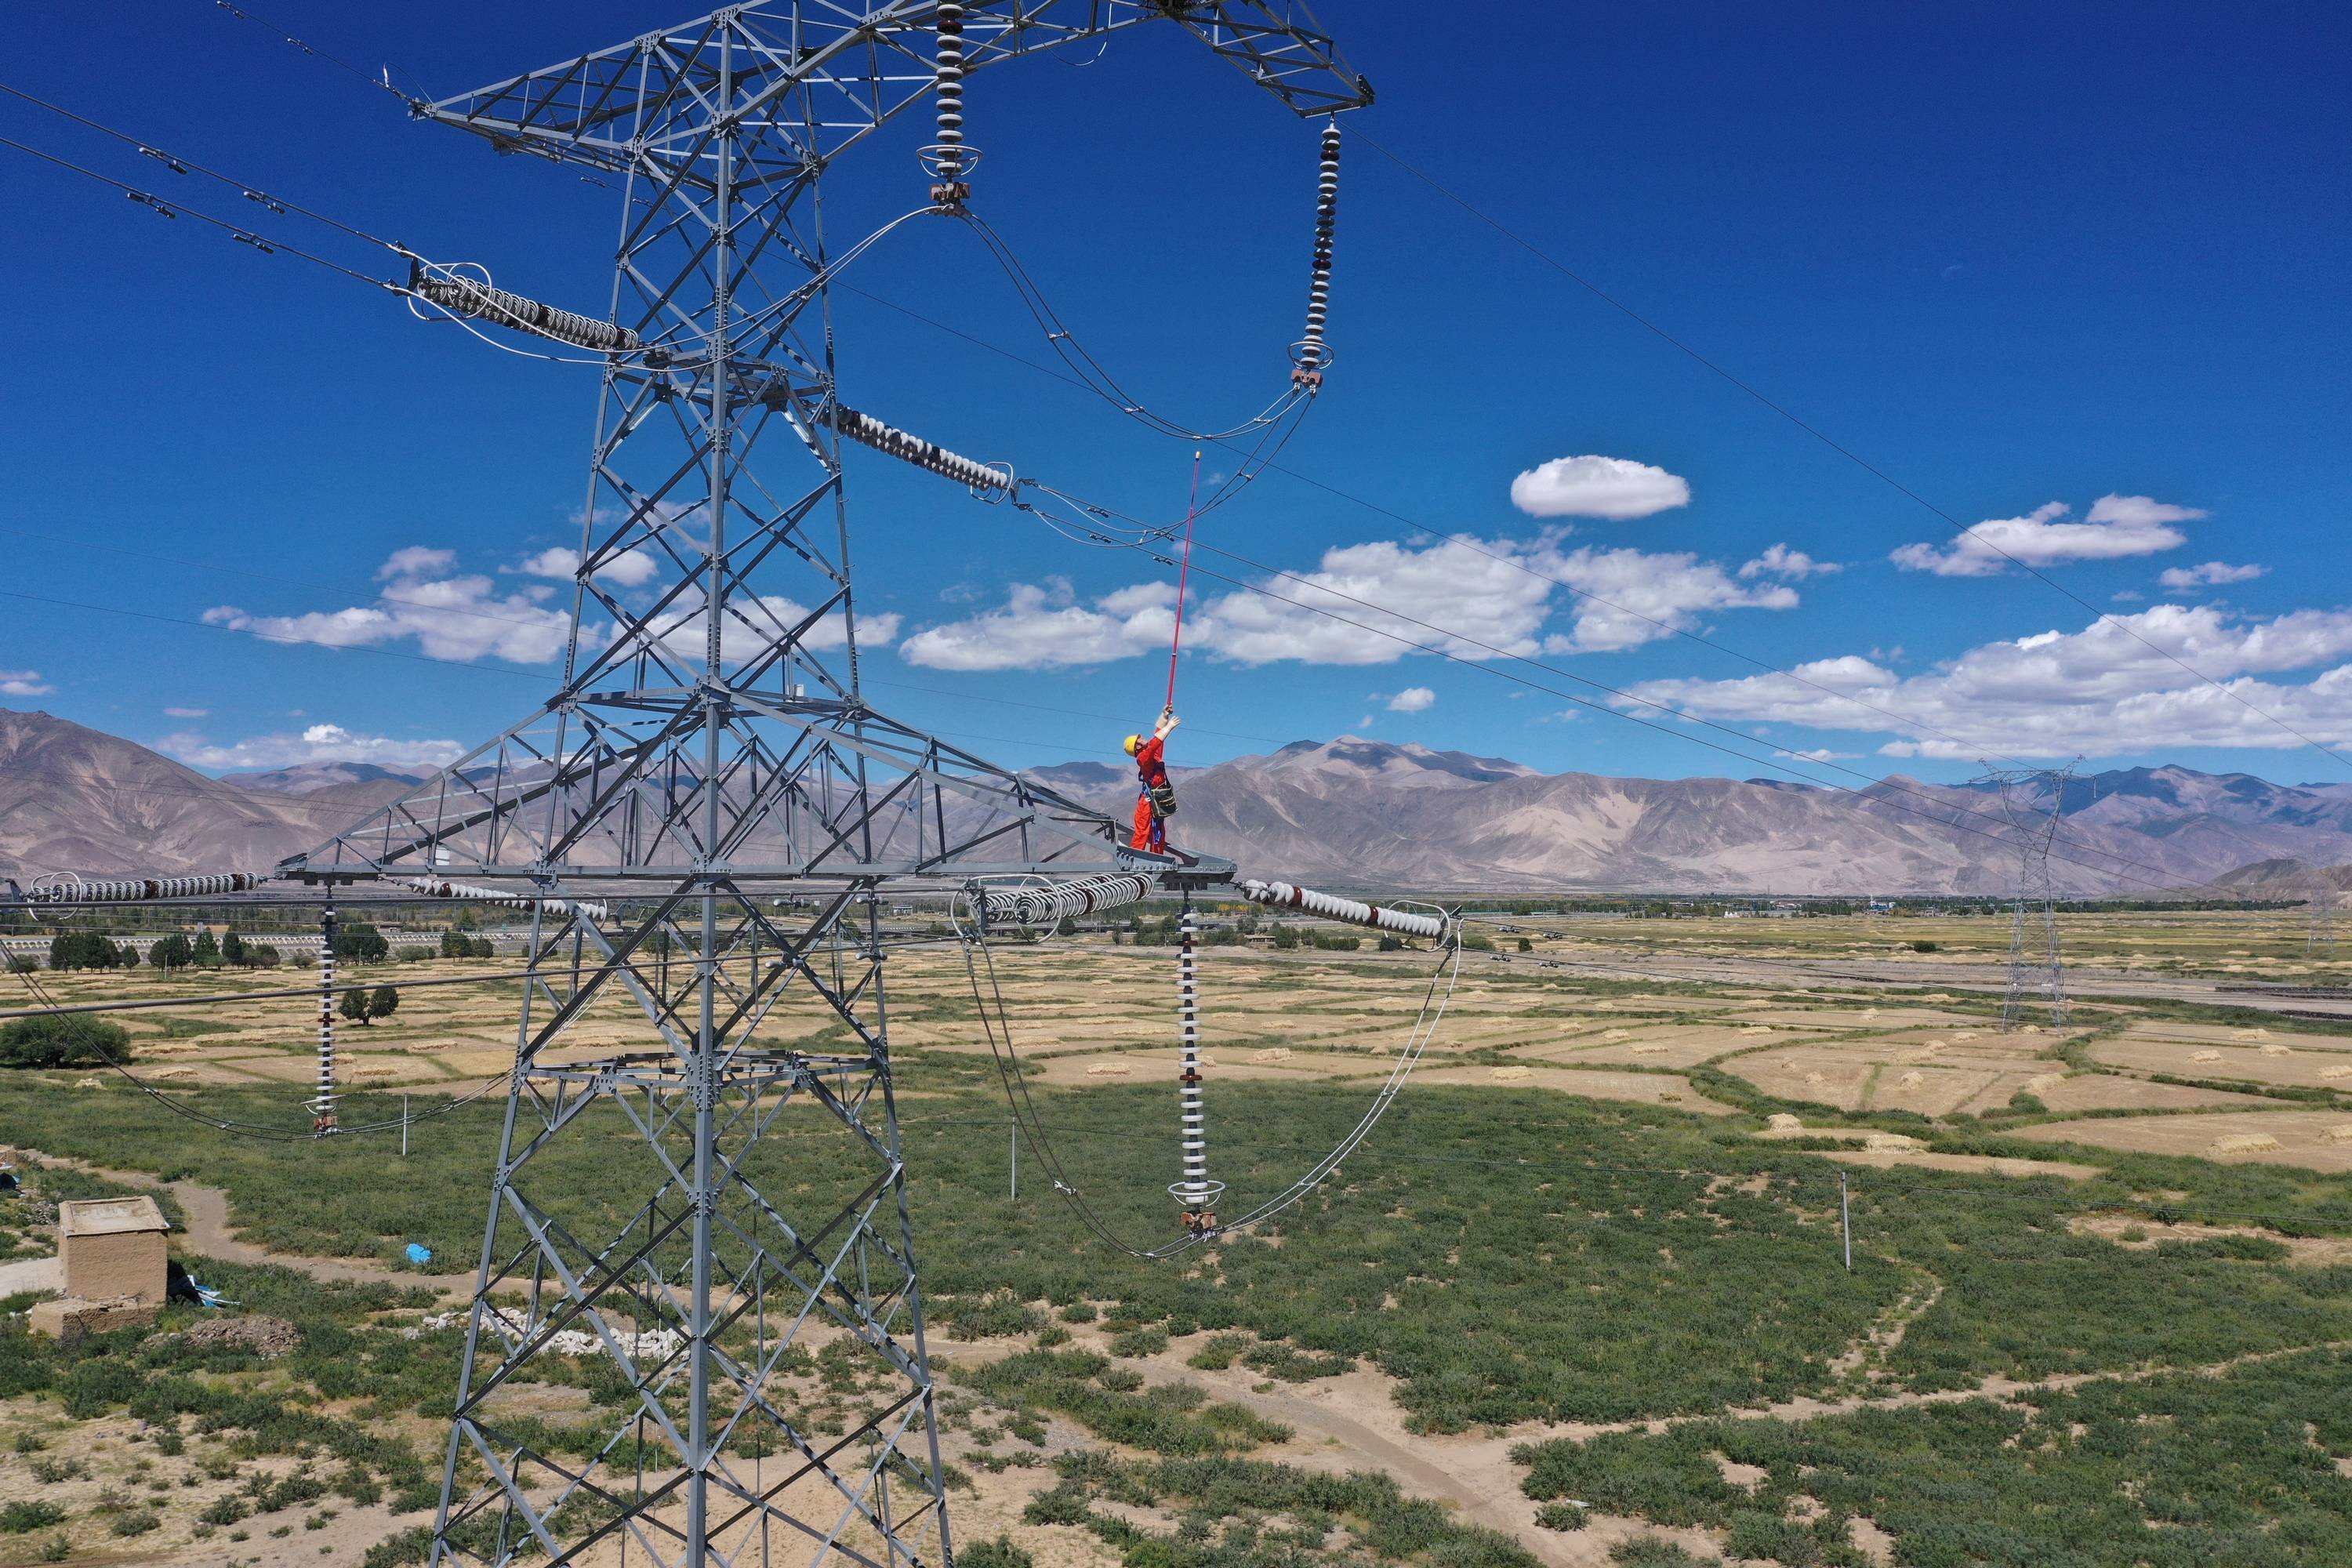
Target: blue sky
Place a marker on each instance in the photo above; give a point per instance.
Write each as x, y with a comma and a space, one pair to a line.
2073, 274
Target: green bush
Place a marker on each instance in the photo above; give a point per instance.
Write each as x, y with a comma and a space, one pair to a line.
63, 1040
994, 1315
1219, 1352
1139, 1343
24, 1517
998, 1554
137, 1521
1560, 1516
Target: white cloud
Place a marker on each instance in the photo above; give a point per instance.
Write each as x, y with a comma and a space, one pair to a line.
2101, 691
187, 712
1470, 598
460, 618
319, 743
23, 683
1618, 489
1044, 627
1649, 596
2182, 578
416, 561
2140, 511
1819, 754
755, 620
1412, 700
1792, 565
2127, 596
630, 569
2117, 527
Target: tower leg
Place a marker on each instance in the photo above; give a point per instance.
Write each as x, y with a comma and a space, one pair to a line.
750, 1209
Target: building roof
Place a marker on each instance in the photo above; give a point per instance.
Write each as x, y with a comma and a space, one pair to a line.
110, 1216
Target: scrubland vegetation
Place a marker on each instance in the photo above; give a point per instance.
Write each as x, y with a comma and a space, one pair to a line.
1505, 1258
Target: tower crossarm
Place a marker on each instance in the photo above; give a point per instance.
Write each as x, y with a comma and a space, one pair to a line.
662, 96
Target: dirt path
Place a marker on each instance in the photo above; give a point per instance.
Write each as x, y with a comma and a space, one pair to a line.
209, 1233
1353, 1422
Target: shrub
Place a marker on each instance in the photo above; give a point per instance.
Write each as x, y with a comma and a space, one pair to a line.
1139, 1343
998, 1554
1925, 947
990, 1316
24, 1517
63, 1040
1079, 1313
137, 1521
1560, 1516
1219, 1352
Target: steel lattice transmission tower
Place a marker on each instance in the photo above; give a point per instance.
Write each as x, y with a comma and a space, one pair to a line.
2320, 938
2033, 800
709, 759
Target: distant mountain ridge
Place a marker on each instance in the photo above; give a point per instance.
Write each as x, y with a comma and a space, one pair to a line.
308, 778
76, 799
1363, 813
1351, 813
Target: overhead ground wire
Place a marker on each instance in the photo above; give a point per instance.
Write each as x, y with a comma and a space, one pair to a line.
1842, 450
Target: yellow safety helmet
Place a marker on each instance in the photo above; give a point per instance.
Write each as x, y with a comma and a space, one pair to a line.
1134, 744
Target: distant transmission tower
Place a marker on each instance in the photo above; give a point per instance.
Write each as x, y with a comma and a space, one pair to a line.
707, 753
2319, 940
2033, 962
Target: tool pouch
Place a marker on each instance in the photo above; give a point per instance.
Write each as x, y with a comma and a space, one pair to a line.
1163, 800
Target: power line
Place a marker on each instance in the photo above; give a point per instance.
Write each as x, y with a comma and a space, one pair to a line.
1833, 444
172, 209
179, 165
1441, 652
1581, 594
246, 13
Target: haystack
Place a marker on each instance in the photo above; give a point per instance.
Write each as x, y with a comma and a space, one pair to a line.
2244, 1144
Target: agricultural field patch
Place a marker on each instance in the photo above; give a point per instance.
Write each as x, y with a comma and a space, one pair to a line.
1870, 1016
2316, 1139
2113, 1091
1225, 1063
1977, 1164
1667, 1045
1648, 1088
2256, 1035
2247, 1060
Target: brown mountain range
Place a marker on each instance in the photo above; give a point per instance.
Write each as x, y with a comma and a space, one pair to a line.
1349, 812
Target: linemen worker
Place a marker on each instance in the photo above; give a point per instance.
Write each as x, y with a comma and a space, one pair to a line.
1156, 803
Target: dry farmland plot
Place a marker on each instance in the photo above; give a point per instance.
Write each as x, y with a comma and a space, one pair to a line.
2317, 1139
1655, 1045
1645, 1088
2305, 1064
2112, 1091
